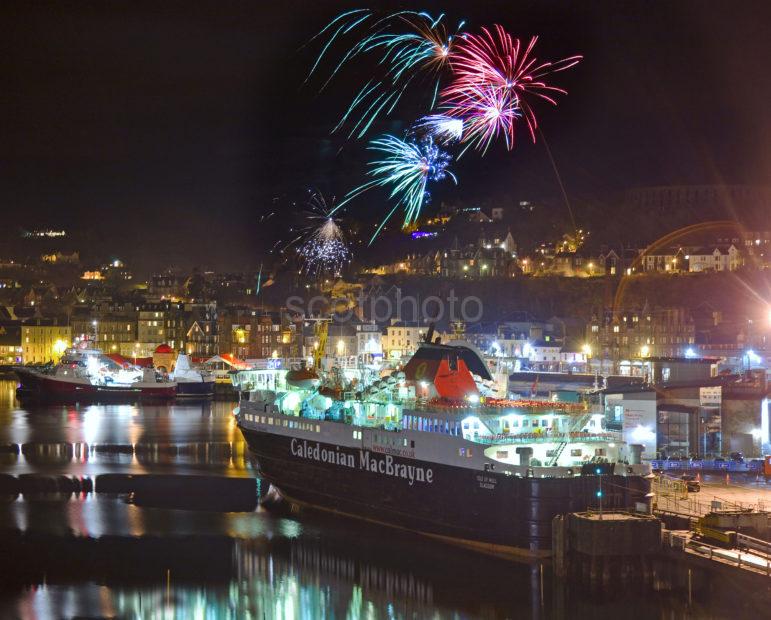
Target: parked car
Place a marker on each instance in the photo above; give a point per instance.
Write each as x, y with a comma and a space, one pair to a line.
691, 483
738, 457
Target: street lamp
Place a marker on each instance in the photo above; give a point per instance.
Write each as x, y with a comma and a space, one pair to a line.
645, 350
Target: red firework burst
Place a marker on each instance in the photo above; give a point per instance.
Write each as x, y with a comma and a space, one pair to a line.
495, 59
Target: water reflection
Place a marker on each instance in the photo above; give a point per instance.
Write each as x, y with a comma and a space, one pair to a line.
94, 439
176, 566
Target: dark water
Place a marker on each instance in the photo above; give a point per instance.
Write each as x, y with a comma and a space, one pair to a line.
98, 555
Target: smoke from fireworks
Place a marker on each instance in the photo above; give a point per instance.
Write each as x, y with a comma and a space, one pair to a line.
406, 43
320, 245
406, 168
494, 61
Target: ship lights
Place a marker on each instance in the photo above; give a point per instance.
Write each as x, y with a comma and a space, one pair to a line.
291, 400
642, 434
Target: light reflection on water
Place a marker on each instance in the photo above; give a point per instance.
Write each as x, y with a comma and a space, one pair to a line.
93, 439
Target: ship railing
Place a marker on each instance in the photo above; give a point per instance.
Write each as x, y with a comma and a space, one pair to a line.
525, 438
494, 410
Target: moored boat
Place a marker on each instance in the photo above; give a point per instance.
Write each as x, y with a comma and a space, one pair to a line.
192, 382
86, 375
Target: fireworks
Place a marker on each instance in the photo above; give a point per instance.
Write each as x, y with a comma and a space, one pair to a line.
441, 128
494, 67
321, 246
406, 168
425, 46
486, 112
493, 80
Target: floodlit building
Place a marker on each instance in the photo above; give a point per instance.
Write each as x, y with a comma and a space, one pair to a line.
44, 340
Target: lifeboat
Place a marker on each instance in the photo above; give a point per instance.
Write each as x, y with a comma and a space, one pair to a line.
303, 378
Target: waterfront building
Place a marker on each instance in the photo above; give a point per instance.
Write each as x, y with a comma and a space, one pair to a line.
402, 339
202, 335
613, 339
107, 323
44, 340
707, 417
10, 342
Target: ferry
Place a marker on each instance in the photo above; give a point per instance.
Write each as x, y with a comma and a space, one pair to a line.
87, 375
425, 450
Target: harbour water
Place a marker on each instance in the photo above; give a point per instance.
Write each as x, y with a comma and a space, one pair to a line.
110, 555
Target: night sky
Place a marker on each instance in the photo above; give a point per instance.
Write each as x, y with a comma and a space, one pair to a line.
167, 129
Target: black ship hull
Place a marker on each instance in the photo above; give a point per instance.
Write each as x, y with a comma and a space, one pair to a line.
195, 389
489, 511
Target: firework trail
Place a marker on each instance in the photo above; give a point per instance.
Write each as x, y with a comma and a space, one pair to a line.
406, 168
494, 61
320, 244
407, 43
440, 127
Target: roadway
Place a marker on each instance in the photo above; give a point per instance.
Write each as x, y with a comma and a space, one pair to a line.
740, 489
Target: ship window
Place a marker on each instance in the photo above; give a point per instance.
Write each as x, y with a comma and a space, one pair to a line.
576, 452
404, 442
270, 420
412, 444
545, 423
502, 454
535, 423
524, 423
318, 428
468, 453
599, 452
461, 451
465, 425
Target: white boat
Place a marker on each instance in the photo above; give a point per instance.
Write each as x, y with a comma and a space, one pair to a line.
192, 382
